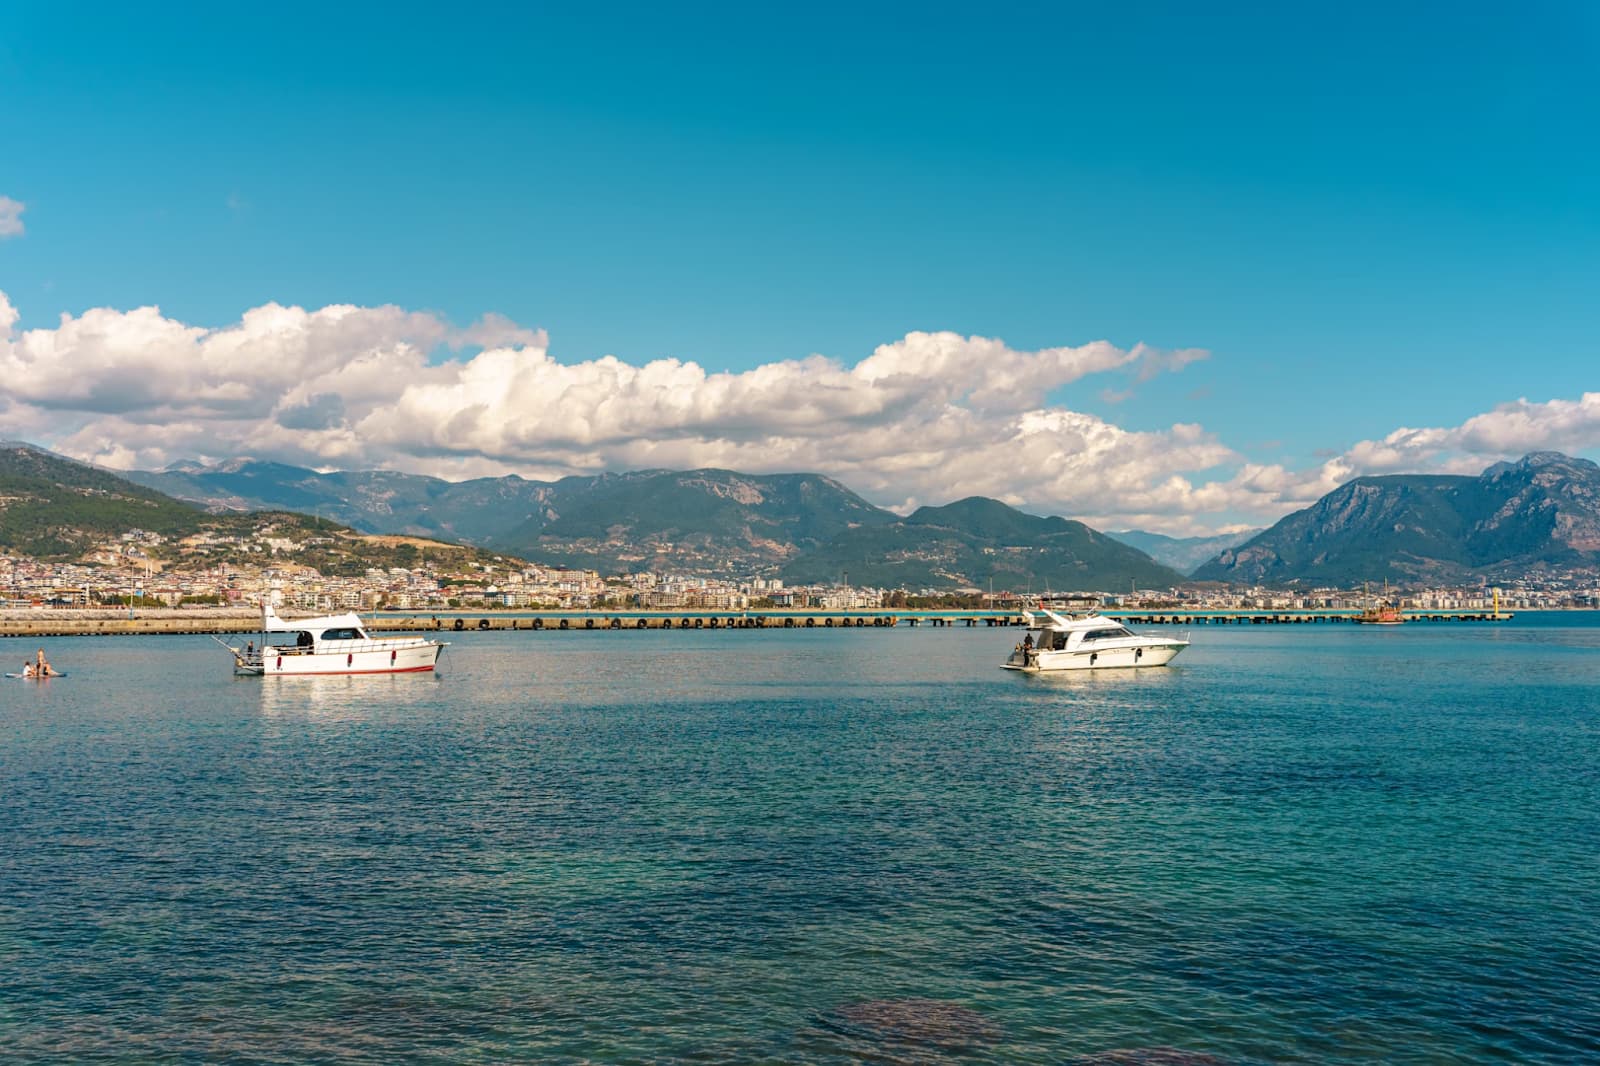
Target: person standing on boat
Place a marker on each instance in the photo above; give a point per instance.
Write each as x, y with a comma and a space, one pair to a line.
1027, 648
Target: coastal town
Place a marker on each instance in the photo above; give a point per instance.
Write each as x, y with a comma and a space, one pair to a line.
239, 572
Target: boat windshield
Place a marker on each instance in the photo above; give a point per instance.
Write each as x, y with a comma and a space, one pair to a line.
343, 634
1111, 633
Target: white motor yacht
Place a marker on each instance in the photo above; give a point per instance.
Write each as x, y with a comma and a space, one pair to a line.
1092, 642
331, 644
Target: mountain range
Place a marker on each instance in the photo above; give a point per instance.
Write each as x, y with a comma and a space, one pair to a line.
1183, 554
698, 521
701, 521
804, 527
1538, 514
1541, 513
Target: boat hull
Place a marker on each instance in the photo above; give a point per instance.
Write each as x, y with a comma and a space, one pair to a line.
1099, 659
407, 659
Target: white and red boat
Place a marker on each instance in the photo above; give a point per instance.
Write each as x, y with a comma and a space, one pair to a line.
1092, 642
331, 644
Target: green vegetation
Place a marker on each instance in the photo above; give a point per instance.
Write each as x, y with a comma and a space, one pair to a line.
55, 509
950, 601
130, 601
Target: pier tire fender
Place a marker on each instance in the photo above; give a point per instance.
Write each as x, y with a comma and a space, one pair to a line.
788, 623
828, 622
616, 623
715, 623
563, 623
483, 623
459, 625
588, 623
810, 623
699, 623
643, 623
538, 623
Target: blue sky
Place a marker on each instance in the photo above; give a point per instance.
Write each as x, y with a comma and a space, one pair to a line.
1370, 217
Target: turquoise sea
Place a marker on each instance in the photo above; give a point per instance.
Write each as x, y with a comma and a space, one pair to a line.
1327, 844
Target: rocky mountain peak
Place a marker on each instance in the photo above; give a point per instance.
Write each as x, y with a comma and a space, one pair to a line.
1537, 460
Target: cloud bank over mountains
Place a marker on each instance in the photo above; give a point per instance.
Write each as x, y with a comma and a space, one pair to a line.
928, 418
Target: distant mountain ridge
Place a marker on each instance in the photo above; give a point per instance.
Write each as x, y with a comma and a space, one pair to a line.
1537, 514
1183, 554
700, 521
978, 542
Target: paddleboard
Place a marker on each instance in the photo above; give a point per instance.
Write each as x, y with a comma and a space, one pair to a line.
21, 677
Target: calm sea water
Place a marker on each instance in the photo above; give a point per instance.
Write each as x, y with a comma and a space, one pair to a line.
1299, 844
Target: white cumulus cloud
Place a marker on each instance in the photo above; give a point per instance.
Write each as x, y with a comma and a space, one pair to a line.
1507, 431
924, 419
11, 217
927, 418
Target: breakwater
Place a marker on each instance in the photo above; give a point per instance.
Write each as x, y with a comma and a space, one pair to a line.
1277, 618
111, 623
90, 622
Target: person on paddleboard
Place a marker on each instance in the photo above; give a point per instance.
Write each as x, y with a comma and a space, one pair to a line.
43, 668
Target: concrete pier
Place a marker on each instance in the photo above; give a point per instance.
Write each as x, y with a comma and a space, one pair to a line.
90, 622
1284, 618
112, 622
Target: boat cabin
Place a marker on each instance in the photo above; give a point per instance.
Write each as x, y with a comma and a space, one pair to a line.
1069, 634
313, 634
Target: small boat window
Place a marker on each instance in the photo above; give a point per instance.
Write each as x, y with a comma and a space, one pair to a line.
342, 634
